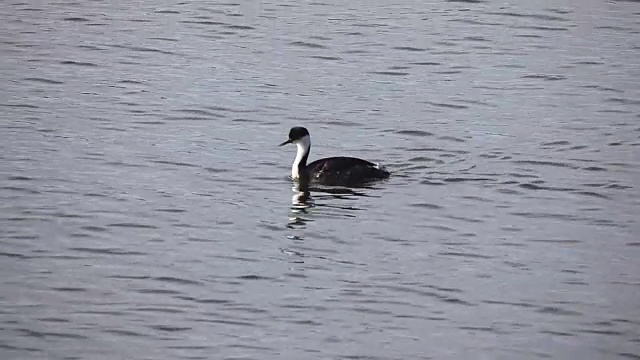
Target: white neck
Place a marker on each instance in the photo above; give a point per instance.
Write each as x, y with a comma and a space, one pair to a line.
303, 146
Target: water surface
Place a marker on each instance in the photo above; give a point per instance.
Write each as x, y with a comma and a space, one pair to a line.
146, 212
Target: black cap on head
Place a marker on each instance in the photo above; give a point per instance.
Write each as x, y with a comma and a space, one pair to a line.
296, 133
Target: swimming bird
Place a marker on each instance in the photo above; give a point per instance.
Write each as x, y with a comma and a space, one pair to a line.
340, 170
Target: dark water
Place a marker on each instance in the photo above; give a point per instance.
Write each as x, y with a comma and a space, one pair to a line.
145, 211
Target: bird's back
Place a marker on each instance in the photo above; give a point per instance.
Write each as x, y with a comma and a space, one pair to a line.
342, 170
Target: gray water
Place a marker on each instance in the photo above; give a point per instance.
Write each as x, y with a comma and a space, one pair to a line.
146, 212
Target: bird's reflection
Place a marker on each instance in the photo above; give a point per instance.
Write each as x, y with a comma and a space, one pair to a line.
301, 196
302, 202
327, 203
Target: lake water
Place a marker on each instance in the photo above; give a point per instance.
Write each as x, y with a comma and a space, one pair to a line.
146, 213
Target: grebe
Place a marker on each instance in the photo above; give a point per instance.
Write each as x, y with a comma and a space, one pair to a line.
340, 170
